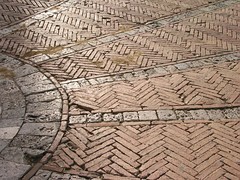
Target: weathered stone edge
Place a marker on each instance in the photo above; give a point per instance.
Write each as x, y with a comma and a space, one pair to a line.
63, 124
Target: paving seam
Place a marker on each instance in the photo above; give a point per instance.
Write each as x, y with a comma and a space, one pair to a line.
205, 132
154, 71
13, 27
149, 122
62, 128
164, 114
102, 40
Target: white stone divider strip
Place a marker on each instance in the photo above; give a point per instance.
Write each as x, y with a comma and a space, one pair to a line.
156, 71
102, 40
212, 114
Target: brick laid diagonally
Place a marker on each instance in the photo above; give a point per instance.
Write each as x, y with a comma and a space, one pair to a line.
206, 86
12, 11
83, 20
200, 36
181, 150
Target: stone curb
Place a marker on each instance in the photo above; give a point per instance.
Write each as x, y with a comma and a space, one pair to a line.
145, 122
150, 72
35, 87
167, 115
62, 127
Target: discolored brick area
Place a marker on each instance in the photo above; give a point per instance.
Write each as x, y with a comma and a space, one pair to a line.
207, 34
81, 21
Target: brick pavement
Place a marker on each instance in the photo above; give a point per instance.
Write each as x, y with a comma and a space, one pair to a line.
184, 150
203, 86
194, 37
14, 11
120, 90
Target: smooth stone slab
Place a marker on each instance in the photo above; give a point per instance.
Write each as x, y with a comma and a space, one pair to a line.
45, 96
43, 116
14, 122
24, 70
41, 106
21, 155
8, 132
11, 170
33, 142
13, 113
166, 115
42, 129
4, 143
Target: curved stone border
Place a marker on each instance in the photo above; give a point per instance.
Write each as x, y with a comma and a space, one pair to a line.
12, 112
39, 134
62, 128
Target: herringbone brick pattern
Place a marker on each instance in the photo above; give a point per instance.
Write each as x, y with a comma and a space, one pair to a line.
12, 11
206, 86
168, 151
136, 78
84, 20
207, 34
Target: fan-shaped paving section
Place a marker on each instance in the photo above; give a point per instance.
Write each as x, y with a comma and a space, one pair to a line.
183, 124
30, 114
